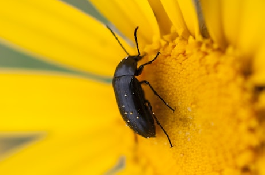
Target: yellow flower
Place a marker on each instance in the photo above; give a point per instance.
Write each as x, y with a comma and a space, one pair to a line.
58, 110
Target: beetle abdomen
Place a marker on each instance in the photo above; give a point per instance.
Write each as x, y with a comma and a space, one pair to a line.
131, 103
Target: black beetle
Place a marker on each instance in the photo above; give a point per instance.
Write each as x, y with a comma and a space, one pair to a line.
136, 111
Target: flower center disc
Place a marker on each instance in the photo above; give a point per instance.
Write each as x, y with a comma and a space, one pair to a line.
214, 127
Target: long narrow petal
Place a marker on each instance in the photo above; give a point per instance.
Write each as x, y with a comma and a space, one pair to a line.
232, 18
251, 31
161, 16
127, 16
77, 120
12, 60
174, 13
190, 16
55, 97
56, 32
213, 18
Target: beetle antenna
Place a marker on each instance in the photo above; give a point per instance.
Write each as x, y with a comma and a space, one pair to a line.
119, 41
136, 41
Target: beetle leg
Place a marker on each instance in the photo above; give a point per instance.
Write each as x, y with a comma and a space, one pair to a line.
140, 69
158, 123
146, 82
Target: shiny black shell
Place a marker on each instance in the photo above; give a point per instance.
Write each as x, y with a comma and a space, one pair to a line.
130, 98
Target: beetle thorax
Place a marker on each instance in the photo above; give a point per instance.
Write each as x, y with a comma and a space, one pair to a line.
127, 66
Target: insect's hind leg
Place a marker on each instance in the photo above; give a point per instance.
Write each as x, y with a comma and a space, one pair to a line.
146, 82
158, 123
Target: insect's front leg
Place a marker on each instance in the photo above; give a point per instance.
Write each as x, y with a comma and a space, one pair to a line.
141, 68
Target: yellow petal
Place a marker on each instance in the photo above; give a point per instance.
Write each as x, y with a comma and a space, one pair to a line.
175, 15
213, 18
58, 33
161, 16
251, 32
50, 96
78, 127
67, 152
232, 18
190, 16
12, 60
127, 16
